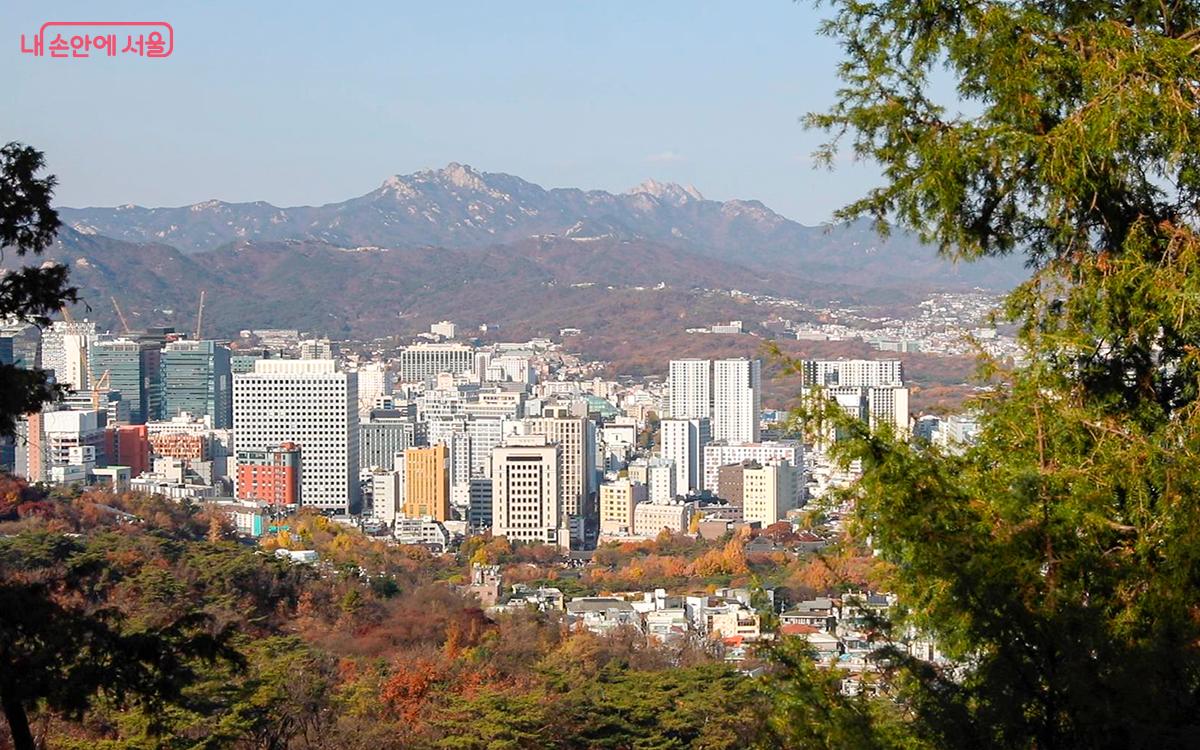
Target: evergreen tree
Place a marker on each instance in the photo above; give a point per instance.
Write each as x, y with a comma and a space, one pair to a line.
28, 225
1057, 562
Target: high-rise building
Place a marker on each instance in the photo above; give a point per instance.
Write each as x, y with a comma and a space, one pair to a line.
313, 404
196, 378
689, 388
479, 507
64, 350
683, 442
133, 368
576, 438
737, 400
374, 380
427, 482
382, 436
877, 406
853, 372
526, 495
718, 454
421, 361
271, 476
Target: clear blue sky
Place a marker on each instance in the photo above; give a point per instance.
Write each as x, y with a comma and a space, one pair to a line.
307, 102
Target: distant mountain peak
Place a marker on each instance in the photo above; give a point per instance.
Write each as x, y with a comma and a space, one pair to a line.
668, 191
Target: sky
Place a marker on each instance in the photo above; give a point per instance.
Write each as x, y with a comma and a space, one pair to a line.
304, 103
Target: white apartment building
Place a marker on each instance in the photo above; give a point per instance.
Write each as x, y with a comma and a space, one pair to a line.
721, 454
683, 442
689, 387
313, 404
853, 372
737, 400
526, 491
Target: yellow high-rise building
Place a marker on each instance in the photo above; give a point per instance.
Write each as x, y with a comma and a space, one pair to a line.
427, 482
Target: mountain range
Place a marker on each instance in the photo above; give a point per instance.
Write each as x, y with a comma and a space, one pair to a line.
479, 247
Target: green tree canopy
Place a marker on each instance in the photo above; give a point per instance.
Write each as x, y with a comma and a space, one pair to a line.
1058, 562
28, 224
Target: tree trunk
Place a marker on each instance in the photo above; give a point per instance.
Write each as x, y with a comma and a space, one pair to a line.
18, 722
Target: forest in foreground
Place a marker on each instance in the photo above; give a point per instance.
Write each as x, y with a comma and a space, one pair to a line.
143, 622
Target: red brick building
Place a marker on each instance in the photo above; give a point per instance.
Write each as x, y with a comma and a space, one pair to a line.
127, 445
272, 476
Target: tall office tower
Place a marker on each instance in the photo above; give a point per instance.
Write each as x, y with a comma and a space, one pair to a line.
690, 389
719, 454
526, 494
768, 491
312, 403
486, 433
196, 378
737, 400
374, 380
133, 368
316, 349
382, 436
479, 505
683, 442
64, 350
853, 372
421, 361
272, 476
576, 437
427, 482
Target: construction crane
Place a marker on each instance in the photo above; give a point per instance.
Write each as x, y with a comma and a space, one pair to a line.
66, 314
121, 315
200, 315
102, 383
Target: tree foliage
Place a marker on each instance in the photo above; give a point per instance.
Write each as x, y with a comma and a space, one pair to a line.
28, 225
1056, 562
